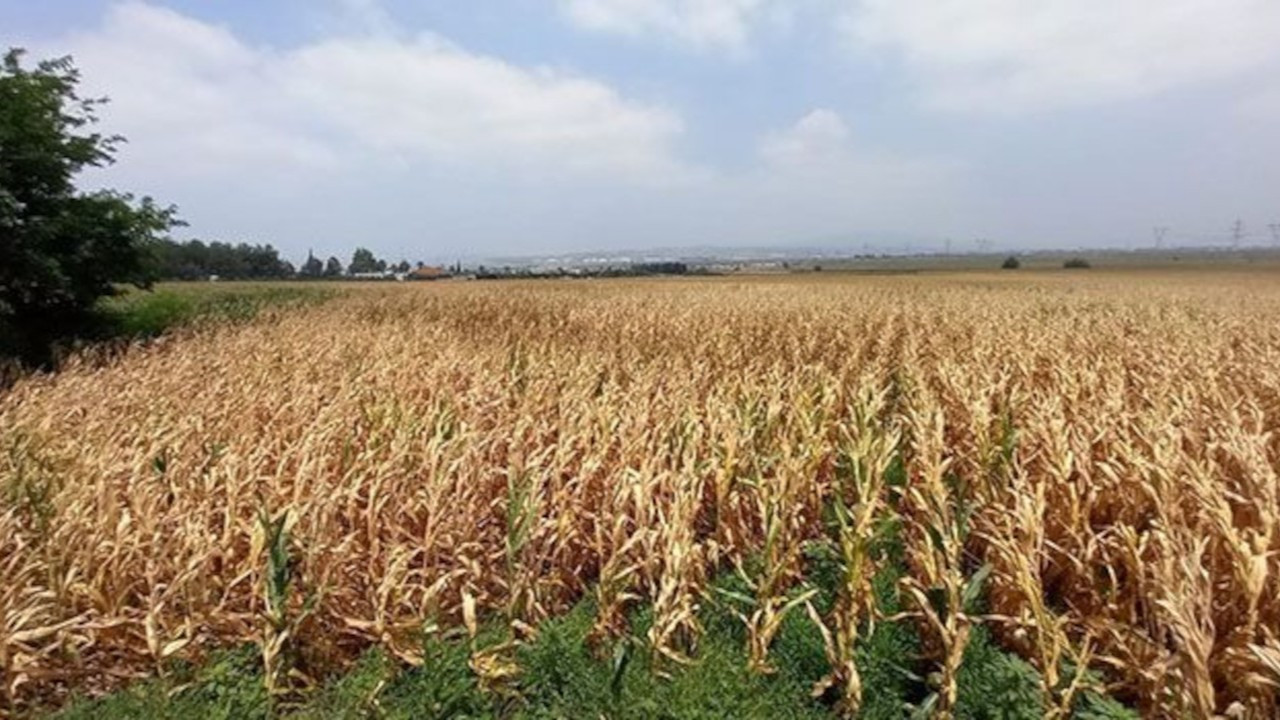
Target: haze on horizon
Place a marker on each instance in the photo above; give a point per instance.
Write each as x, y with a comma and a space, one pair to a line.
440, 129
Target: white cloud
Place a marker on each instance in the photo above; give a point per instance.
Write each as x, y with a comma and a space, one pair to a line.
189, 96
724, 25
427, 96
417, 147
819, 136
815, 182
1011, 55
820, 145
195, 99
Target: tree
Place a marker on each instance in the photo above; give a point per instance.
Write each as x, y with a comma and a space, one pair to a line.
61, 249
1011, 263
363, 261
333, 267
194, 260
312, 268
403, 266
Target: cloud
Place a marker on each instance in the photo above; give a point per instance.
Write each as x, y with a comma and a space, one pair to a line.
1014, 55
811, 182
720, 25
190, 96
429, 97
817, 176
819, 136
417, 147
195, 99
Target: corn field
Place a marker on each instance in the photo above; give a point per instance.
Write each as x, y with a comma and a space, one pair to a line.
1085, 465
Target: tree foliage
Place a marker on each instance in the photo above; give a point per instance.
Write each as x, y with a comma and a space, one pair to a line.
61, 249
195, 260
363, 261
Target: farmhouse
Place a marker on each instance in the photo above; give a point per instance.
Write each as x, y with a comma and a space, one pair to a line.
427, 272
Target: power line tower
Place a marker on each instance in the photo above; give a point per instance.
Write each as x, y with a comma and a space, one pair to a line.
984, 245
1275, 233
1237, 234
1160, 233
949, 242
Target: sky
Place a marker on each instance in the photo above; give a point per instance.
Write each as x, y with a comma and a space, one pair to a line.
437, 129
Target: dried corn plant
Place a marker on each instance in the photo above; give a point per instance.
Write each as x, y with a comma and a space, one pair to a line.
938, 515
860, 505
681, 576
1018, 553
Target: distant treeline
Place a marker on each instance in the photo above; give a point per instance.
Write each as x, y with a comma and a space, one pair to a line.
196, 260
633, 270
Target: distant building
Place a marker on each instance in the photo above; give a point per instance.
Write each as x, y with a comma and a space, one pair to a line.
428, 272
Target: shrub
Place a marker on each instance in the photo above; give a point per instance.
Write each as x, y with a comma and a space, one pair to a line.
1076, 264
1011, 263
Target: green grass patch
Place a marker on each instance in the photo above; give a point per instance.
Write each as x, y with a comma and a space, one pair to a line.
227, 688
560, 678
143, 314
